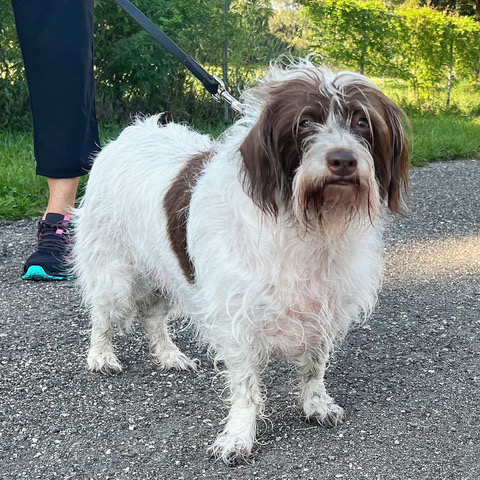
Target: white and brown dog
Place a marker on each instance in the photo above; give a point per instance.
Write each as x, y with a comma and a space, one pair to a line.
269, 239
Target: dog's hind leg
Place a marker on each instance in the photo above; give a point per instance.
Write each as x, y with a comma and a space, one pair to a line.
314, 399
166, 355
101, 357
109, 293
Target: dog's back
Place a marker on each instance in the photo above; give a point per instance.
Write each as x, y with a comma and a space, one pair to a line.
125, 193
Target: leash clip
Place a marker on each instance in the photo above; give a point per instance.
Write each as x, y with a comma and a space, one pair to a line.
223, 95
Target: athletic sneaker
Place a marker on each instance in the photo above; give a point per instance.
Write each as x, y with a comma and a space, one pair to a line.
54, 243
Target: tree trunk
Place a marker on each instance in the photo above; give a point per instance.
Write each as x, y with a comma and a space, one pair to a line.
450, 74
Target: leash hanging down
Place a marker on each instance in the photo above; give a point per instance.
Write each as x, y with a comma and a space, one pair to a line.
214, 85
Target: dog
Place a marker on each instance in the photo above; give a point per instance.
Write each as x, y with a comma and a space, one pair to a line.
268, 239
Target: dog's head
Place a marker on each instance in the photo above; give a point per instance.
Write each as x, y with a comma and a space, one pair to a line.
324, 142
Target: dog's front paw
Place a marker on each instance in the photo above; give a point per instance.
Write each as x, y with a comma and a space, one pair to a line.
323, 409
106, 363
231, 449
173, 359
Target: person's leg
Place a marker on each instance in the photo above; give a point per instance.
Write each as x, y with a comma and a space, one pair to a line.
62, 195
56, 38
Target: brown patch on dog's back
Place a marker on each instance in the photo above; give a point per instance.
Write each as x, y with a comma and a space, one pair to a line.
177, 205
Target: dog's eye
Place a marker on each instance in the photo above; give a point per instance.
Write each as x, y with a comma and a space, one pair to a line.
362, 124
305, 122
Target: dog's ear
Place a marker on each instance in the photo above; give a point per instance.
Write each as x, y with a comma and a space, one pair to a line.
397, 122
399, 182
392, 159
263, 177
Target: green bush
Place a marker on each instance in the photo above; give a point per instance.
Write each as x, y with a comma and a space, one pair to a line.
430, 48
14, 103
136, 74
433, 50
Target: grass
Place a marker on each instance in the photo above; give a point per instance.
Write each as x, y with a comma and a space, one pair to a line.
445, 138
24, 195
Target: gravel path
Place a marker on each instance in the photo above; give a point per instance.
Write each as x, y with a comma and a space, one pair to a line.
409, 379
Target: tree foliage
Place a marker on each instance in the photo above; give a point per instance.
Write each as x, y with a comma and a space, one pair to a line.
422, 44
13, 88
136, 74
429, 46
351, 33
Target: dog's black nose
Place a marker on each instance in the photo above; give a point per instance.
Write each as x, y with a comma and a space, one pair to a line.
342, 162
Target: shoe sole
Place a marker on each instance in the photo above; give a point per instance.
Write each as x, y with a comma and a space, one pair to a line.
38, 273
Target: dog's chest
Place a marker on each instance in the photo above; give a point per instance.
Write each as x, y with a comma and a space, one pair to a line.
295, 332
305, 310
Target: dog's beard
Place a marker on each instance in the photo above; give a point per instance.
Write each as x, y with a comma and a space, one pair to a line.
332, 207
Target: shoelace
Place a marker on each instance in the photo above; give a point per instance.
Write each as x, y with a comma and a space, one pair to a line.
54, 236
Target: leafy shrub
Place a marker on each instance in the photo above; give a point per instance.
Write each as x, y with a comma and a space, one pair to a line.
13, 88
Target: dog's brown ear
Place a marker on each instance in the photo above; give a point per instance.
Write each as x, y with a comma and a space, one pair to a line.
391, 151
399, 179
263, 176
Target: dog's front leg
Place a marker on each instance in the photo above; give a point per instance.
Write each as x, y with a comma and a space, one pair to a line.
237, 439
314, 399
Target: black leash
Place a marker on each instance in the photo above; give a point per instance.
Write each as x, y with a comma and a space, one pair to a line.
214, 85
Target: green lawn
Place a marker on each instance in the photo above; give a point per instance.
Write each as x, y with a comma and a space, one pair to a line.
445, 138
24, 195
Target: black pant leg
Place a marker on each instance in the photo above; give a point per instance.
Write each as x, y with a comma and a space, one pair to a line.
56, 38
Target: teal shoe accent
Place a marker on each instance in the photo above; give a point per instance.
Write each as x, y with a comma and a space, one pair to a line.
38, 273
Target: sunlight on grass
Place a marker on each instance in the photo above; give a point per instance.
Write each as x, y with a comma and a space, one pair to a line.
464, 100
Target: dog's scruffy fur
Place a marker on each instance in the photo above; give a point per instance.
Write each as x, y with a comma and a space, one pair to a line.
268, 240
